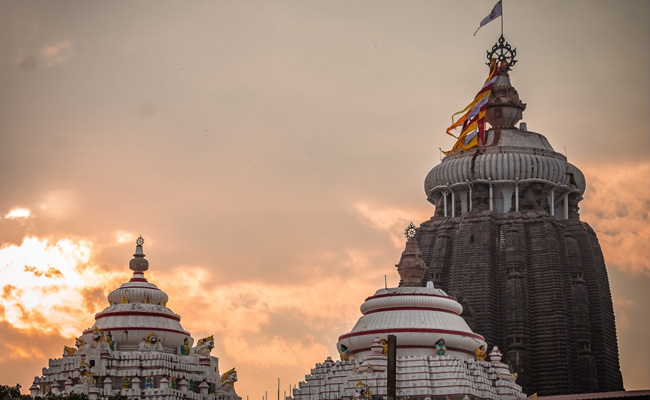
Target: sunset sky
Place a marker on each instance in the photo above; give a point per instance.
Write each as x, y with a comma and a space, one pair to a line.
271, 153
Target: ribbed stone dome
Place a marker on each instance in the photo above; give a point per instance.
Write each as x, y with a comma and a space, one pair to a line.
509, 155
138, 291
418, 316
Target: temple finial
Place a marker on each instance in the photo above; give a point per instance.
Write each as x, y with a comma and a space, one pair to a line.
138, 263
409, 232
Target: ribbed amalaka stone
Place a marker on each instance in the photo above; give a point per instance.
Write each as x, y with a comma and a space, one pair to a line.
507, 241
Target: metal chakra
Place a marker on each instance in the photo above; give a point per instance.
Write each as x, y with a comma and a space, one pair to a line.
504, 54
140, 241
409, 232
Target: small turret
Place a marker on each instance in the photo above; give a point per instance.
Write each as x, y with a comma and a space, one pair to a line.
411, 266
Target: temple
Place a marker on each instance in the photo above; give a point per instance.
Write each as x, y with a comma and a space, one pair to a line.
437, 355
507, 241
505, 276
138, 348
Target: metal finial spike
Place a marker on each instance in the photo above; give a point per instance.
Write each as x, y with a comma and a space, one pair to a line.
140, 241
409, 232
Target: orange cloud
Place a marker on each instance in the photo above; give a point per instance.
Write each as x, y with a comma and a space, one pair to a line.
50, 285
617, 206
57, 53
622, 307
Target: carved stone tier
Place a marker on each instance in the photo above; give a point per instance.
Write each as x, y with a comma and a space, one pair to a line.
517, 169
536, 287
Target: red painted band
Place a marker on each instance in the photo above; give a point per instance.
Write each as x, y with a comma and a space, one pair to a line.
138, 280
411, 309
411, 330
140, 287
136, 313
137, 328
419, 347
408, 294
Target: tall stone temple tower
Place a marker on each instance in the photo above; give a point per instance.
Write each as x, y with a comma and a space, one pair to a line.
507, 241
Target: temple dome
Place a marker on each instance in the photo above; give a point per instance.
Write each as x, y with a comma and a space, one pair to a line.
138, 308
509, 155
513, 164
418, 317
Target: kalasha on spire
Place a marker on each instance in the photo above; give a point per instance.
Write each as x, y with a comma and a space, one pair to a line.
497, 101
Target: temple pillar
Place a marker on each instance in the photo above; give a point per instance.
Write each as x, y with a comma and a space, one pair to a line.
470, 197
491, 197
517, 195
566, 206
445, 193
463, 202
552, 201
453, 204
506, 193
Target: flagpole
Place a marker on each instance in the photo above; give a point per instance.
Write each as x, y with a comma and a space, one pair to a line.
501, 17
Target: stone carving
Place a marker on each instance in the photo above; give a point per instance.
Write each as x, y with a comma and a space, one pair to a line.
439, 202
344, 353
480, 353
148, 382
68, 351
185, 347
150, 343
110, 342
227, 382
481, 197
440, 347
574, 208
362, 390
85, 374
99, 342
534, 198
204, 346
81, 345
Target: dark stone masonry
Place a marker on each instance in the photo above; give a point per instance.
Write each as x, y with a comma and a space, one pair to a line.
507, 241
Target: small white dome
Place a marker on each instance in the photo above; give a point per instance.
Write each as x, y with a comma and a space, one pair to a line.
419, 317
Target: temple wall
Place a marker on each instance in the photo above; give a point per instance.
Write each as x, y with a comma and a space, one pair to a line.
534, 285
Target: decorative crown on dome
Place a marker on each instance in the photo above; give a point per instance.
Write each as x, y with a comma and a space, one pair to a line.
138, 263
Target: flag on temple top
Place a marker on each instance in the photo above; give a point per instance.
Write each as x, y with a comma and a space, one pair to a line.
473, 119
496, 12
